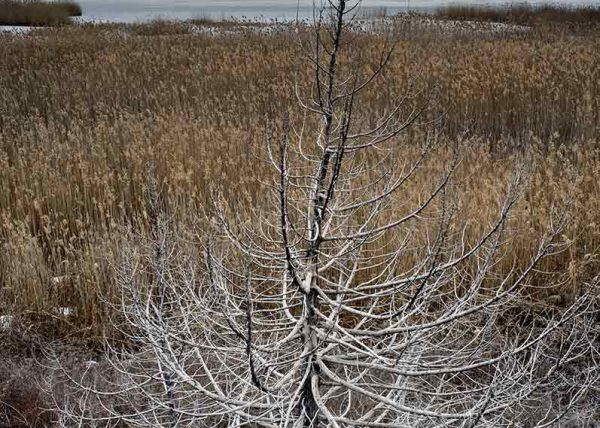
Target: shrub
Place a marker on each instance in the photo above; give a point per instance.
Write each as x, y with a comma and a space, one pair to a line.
37, 13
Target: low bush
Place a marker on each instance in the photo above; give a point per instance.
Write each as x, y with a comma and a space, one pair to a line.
37, 13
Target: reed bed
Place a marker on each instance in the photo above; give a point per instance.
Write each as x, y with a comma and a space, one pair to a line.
85, 109
522, 13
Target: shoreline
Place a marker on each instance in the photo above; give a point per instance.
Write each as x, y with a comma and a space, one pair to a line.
203, 25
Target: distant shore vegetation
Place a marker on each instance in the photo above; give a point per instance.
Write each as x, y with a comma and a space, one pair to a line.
521, 13
37, 13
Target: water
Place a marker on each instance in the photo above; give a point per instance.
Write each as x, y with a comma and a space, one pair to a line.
143, 10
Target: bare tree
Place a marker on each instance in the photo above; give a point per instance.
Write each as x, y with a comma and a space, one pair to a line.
350, 304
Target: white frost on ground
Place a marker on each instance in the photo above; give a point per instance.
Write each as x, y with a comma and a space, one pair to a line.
219, 31
418, 23
57, 280
6, 322
15, 29
66, 311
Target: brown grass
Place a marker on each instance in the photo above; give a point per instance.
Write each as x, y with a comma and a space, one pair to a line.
37, 13
522, 13
83, 110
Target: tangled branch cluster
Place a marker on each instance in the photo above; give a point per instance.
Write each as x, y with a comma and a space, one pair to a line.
312, 317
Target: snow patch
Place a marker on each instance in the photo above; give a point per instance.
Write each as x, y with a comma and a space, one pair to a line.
66, 311
6, 322
15, 29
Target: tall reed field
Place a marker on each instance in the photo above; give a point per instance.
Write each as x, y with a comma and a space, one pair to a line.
88, 113
522, 13
37, 13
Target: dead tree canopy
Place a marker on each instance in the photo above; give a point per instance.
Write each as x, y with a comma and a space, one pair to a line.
351, 302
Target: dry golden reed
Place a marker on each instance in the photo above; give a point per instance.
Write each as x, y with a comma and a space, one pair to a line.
85, 109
